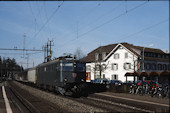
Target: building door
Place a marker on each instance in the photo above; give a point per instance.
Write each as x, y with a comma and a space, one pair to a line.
88, 76
114, 77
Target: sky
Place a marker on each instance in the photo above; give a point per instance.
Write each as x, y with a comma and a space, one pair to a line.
80, 24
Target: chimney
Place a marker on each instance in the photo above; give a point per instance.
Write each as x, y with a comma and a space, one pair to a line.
166, 51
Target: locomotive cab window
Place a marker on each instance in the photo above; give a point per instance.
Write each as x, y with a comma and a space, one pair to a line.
80, 67
67, 67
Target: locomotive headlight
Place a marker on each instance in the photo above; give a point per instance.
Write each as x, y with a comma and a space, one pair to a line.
74, 75
65, 80
82, 80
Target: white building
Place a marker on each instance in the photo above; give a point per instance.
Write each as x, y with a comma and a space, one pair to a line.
114, 61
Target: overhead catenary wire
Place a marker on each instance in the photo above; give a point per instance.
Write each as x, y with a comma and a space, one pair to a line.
47, 17
99, 26
145, 29
102, 16
92, 22
89, 12
20, 53
46, 22
82, 18
35, 19
40, 8
124, 13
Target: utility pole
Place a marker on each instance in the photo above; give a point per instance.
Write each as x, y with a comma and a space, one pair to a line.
48, 51
50, 48
44, 47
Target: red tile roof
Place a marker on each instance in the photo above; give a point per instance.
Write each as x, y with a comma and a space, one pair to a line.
108, 48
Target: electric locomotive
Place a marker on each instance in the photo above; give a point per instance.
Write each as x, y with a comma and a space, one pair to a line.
65, 75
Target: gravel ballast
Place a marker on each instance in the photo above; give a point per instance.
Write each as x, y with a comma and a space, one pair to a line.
61, 101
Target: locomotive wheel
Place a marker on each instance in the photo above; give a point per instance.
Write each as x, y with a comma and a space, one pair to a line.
80, 90
85, 94
76, 92
84, 88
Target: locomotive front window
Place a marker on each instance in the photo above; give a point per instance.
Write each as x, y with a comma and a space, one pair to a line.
80, 67
67, 66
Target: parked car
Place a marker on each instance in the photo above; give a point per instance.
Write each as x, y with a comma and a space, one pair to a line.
116, 82
101, 81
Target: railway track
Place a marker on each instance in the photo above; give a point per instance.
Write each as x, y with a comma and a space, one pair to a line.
34, 104
29, 106
93, 103
12, 102
107, 105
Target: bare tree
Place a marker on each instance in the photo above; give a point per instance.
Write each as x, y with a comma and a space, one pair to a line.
79, 54
100, 66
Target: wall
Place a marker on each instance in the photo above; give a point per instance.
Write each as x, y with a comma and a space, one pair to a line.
120, 71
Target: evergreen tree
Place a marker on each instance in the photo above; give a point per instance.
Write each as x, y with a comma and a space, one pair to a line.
9, 66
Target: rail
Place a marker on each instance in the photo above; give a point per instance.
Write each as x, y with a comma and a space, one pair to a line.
24, 101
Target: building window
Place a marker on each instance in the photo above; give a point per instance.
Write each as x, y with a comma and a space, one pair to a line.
103, 55
154, 55
88, 68
114, 66
116, 56
163, 56
127, 66
103, 66
148, 54
159, 66
97, 68
126, 55
96, 76
96, 56
114, 77
153, 66
159, 55
120, 47
104, 76
148, 66
167, 56
169, 67
164, 67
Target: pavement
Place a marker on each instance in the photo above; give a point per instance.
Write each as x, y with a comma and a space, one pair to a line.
9, 103
2, 102
140, 97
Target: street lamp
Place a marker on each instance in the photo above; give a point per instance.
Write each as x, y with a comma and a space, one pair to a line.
151, 45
